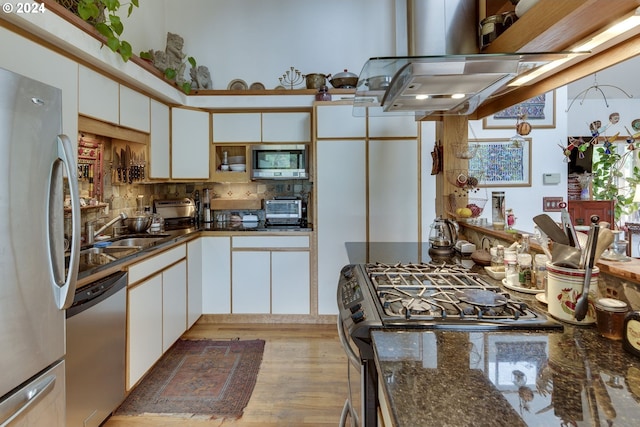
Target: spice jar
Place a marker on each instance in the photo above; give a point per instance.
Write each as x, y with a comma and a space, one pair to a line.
610, 317
524, 270
540, 271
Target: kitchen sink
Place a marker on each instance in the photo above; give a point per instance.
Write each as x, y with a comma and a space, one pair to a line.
140, 241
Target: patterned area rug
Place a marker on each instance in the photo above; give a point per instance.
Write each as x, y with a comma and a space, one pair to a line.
212, 379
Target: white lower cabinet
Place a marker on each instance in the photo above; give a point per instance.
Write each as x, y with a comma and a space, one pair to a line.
290, 282
194, 281
157, 310
216, 275
250, 278
270, 275
144, 338
174, 304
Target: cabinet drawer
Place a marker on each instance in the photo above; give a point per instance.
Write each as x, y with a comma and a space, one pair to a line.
148, 267
270, 242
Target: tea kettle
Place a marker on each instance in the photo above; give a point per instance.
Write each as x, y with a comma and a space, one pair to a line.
443, 236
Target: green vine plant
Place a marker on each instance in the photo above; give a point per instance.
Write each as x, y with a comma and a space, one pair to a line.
109, 26
610, 182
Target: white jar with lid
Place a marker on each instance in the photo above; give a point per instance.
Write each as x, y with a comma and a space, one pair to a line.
511, 267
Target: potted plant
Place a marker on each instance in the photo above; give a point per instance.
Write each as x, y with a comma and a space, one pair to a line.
108, 24
610, 181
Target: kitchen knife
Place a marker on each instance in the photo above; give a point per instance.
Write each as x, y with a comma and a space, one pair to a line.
142, 165
551, 229
567, 224
116, 165
128, 162
122, 166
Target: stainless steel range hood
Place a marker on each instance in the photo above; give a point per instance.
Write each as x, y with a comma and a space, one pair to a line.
443, 74
439, 85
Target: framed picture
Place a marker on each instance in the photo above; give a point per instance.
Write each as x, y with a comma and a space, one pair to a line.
502, 162
540, 111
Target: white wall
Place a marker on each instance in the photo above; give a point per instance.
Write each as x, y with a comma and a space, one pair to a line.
257, 40
526, 202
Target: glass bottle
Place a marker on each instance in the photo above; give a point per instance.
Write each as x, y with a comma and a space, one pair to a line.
525, 244
498, 210
511, 268
524, 270
323, 94
540, 271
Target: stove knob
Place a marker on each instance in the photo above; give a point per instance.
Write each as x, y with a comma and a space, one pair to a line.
347, 272
358, 317
355, 308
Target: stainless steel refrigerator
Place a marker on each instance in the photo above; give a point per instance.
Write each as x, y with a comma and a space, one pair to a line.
36, 284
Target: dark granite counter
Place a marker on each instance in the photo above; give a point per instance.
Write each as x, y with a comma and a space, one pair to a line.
515, 378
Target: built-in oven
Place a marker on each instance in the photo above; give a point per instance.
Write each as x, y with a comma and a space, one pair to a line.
279, 161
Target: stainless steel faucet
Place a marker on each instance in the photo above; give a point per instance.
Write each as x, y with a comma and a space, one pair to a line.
91, 235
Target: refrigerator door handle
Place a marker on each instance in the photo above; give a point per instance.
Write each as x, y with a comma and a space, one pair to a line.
64, 287
25, 398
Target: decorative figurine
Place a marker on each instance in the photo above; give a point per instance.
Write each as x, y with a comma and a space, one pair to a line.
200, 78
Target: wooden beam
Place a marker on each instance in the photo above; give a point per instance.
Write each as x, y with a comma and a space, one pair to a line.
552, 25
592, 64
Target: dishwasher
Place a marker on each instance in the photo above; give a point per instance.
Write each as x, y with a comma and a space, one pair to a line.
95, 359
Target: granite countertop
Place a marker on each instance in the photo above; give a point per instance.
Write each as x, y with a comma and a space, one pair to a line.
511, 378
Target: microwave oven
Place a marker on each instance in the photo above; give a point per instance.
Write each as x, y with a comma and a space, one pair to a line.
278, 161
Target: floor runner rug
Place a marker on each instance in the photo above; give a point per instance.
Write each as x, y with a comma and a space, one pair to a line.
204, 378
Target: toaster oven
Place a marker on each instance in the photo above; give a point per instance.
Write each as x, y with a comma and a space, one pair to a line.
284, 211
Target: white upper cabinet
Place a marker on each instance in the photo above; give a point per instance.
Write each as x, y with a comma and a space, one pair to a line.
262, 127
101, 98
236, 127
98, 96
134, 109
159, 148
337, 121
393, 127
189, 144
286, 127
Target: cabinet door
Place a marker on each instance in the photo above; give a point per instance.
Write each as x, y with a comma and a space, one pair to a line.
98, 96
174, 303
337, 121
159, 150
286, 127
236, 127
194, 281
134, 109
393, 191
581, 211
340, 187
250, 282
216, 275
393, 126
290, 283
189, 144
144, 338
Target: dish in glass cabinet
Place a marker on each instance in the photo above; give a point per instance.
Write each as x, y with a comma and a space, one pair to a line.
237, 84
256, 86
520, 289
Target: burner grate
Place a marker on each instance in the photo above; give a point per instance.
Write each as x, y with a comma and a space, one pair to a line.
440, 291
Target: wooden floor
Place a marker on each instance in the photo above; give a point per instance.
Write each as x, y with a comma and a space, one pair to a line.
302, 379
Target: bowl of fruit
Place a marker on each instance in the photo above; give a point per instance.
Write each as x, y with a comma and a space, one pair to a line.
464, 207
